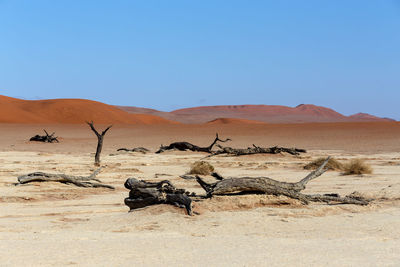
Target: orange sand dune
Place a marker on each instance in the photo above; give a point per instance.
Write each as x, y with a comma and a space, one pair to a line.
233, 121
72, 111
263, 113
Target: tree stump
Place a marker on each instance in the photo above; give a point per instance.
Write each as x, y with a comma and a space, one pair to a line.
143, 194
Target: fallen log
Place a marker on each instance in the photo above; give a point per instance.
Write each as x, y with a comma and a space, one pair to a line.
143, 194
81, 181
256, 150
48, 138
265, 185
183, 146
136, 149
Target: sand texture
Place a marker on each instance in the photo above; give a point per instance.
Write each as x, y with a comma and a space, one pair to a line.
50, 224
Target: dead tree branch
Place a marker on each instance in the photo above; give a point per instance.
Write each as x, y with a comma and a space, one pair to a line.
256, 150
82, 181
136, 149
269, 186
144, 194
100, 138
48, 138
183, 146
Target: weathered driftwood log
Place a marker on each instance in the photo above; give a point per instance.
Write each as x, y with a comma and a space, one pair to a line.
48, 138
136, 149
256, 150
144, 194
183, 146
269, 186
82, 181
100, 138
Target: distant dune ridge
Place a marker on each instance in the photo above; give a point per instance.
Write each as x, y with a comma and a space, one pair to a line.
73, 111
77, 111
233, 121
260, 113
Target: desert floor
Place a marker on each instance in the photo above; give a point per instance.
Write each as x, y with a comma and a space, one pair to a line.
51, 224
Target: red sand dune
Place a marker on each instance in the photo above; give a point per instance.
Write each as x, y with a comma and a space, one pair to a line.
264, 113
368, 117
233, 121
72, 111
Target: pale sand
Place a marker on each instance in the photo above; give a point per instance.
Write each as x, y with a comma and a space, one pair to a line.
51, 224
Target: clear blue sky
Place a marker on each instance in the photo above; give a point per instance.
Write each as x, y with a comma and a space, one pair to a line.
342, 54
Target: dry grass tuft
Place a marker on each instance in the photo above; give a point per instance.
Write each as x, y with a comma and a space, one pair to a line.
201, 167
332, 164
357, 166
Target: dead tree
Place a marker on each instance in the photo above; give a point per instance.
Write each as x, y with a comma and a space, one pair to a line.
48, 138
256, 150
100, 138
82, 181
136, 149
265, 185
183, 146
143, 194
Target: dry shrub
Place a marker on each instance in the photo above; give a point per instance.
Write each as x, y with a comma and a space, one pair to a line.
357, 166
201, 167
332, 164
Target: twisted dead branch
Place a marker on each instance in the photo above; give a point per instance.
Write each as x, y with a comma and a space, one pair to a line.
143, 194
136, 149
48, 138
183, 146
256, 150
265, 185
81, 181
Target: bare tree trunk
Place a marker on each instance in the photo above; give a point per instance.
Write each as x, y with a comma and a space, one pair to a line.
100, 138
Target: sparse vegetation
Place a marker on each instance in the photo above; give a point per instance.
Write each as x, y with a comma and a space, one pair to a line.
201, 167
332, 164
357, 166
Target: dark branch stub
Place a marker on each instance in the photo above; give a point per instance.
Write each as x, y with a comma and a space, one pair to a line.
100, 138
183, 146
48, 138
